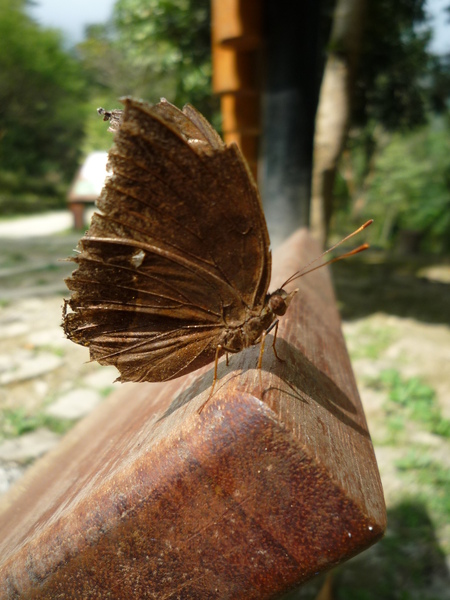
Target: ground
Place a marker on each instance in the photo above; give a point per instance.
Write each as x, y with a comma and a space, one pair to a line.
396, 319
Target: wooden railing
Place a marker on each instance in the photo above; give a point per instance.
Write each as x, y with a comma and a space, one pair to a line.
272, 482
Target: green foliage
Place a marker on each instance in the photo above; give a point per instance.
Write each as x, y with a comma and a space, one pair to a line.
168, 40
410, 189
152, 49
97, 137
25, 194
42, 94
398, 171
393, 61
411, 399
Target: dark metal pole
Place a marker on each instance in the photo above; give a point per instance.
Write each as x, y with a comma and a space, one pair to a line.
292, 77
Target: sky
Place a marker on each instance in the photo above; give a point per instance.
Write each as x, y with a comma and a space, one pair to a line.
73, 15
441, 25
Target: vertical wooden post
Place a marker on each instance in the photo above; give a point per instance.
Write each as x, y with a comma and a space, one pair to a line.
236, 43
77, 209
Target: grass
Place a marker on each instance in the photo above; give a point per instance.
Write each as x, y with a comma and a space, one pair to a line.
17, 422
432, 478
55, 350
372, 341
13, 259
410, 399
106, 391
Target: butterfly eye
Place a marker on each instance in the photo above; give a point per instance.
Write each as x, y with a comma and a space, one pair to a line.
279, 301
278, 304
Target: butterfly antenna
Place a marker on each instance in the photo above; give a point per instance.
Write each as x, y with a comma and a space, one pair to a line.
305, 270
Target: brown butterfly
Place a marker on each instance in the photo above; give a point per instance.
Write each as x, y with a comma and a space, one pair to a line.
175, 269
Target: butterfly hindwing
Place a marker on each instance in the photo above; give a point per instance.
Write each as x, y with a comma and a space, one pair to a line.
179, 252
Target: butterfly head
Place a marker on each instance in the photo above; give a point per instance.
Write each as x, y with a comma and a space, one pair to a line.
279, 300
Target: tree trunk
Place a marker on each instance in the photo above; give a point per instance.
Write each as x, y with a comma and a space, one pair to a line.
333, 113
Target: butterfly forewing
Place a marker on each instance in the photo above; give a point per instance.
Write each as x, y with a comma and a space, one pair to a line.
179, 253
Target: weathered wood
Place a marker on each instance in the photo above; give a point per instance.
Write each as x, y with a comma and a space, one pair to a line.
237, 23
77, 209
240, 113
147, 498
240, 124
236, 43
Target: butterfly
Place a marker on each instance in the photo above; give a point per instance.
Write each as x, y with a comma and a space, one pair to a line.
175, 268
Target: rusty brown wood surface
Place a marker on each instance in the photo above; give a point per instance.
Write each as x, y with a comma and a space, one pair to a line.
148, 498
237, 23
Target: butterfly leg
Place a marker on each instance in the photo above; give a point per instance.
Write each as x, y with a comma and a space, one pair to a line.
261, 353
262, 346
275, 324
216, 363
263, 336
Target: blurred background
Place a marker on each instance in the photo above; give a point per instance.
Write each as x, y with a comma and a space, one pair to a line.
342, 110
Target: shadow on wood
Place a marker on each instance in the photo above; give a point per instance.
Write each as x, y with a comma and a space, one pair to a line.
147, 498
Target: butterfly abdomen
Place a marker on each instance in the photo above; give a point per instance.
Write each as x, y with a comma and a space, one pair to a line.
235, 339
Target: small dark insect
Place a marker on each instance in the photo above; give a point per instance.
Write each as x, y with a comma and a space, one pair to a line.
113, 116
174, 271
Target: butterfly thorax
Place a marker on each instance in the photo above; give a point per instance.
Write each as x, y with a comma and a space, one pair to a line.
248, 334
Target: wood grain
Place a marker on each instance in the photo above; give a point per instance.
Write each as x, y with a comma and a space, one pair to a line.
147, 498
